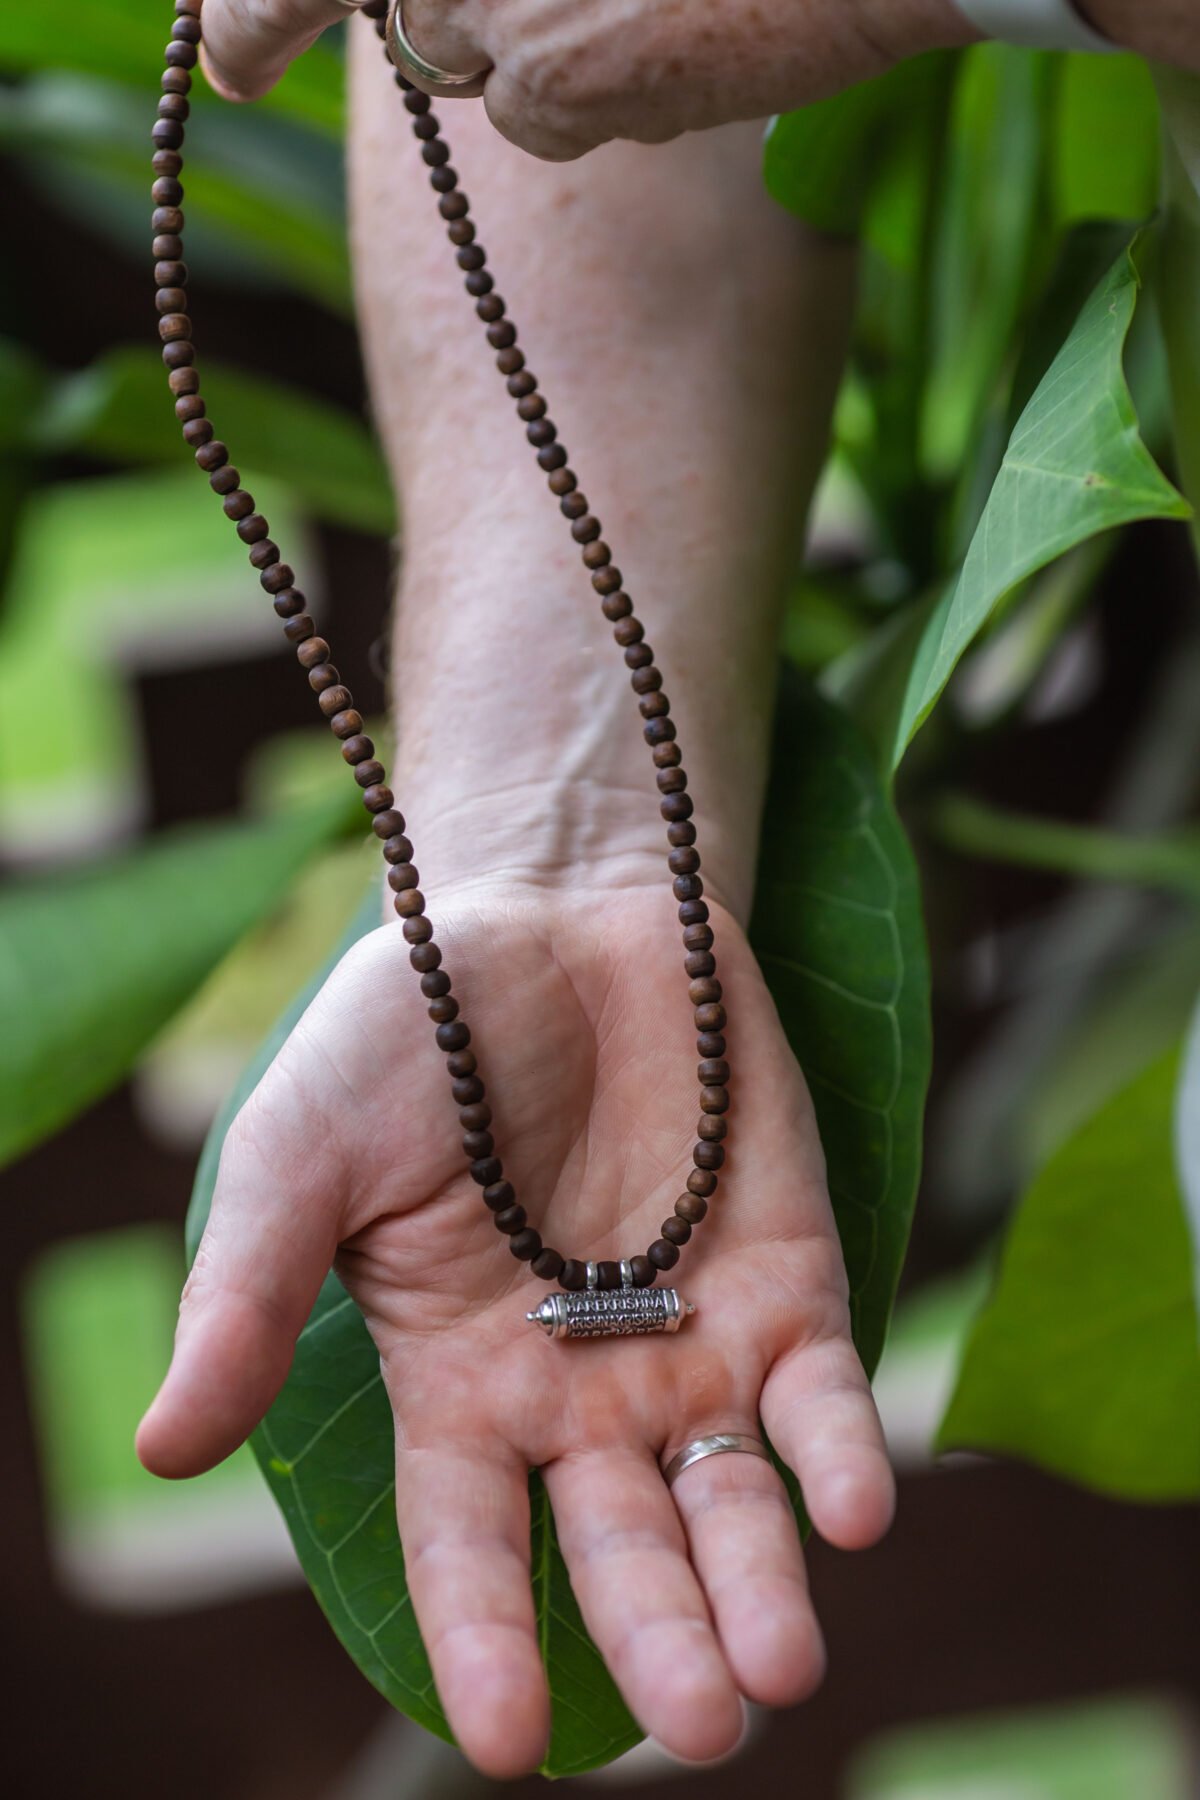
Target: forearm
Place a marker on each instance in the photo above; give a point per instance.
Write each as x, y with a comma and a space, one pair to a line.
688, 337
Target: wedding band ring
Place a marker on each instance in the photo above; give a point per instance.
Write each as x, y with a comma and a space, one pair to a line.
717, 1445
442, 84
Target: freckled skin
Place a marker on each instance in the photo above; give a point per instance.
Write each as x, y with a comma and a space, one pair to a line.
687, 334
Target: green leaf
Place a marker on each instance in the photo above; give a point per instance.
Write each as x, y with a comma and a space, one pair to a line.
1169, 861
119, 409
825, 161
837, 928
93, 965
1178, 275
1085, 1360
838, 905
1074, 466
123, 39
1106, 143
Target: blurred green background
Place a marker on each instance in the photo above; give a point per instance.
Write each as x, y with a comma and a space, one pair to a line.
995, 621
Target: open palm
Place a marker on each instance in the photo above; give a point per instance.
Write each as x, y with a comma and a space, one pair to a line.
347, 1150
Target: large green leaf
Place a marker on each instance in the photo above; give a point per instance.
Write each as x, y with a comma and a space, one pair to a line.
1075, 465
94, 964
838, 928
119, 409
1086, 1360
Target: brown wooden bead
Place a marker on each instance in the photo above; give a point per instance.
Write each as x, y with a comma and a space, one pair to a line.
174, 325
167, 221
561, 481
288, 603
477, 1143
253, 528
335, 700
401, 876
369, 772
410, 904
525, 1245
662, 1254
348, 723
659, 731
710, 1044
275, 580
359, 749
691, 1207
710, 1018
264, 555
574, 1275
676, 1230
180, 56
705, 992
166, 162
379, 797
462, 1064
167, 191
654, 706
197, 432
300, 627
389, 824
433, 986
486, 1170
693, 912
424, 957
417, 930
171, 300
445, 1011
665, 756
708, 1156
453, 1037
191, 406
713, 1130
238, 505
316, 651
685, 859
472, 1118
183, 381
698, 937
397, 849
324, 678
713, 1071
467, 1089
499, 1195
702, 1182
699, 963
616, 606
167, 246
676, 806
547, 1265
643, 1271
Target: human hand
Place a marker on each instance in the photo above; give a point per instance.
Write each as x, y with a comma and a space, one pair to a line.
347, 1149
567, 78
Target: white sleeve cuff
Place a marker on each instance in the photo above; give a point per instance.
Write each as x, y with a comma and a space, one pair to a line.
1039, 24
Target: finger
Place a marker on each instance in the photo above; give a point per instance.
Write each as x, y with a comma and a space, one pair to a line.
820, 1416
248, 44
464, 1525
268, 1246
745, 1546
627, 1557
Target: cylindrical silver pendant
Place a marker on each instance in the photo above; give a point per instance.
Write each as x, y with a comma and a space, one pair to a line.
613, 1312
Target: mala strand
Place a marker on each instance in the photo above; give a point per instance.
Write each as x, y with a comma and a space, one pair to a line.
337, 704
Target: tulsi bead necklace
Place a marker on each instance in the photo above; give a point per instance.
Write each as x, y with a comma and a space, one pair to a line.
597, 1298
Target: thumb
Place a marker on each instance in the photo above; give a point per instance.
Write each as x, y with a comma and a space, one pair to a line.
269, 1243
248, 44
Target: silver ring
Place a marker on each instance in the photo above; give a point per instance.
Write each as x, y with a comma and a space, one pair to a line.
716, 1445
442, 84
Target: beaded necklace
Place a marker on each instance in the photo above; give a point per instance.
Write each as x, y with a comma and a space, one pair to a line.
597, 1298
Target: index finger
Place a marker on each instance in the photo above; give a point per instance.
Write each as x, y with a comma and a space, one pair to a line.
248, 44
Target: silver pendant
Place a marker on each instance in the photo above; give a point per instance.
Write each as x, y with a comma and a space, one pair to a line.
614, 1312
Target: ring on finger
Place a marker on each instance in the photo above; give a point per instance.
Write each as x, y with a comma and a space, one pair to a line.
719, 1443
442, 84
